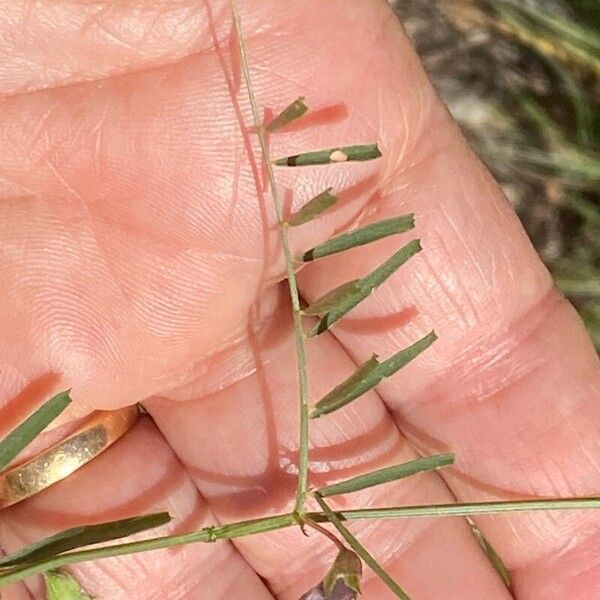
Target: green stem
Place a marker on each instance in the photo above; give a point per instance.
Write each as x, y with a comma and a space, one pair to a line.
208, 534
361, 550
325, 532
291, 276
469, 508
265, 524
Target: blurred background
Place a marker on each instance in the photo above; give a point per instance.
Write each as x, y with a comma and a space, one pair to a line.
522, 77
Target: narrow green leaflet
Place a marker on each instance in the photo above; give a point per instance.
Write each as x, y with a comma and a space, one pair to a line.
26, 432
379, 275
420, 465
402, 358
362, 380
361, 237
60, 585
491, 553
368, 376
361, 550
313, 208
86, 535
497, 562
289, 114
333, 298
331, 155
364, 287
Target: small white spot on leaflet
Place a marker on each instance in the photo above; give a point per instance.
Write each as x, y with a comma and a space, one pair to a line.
338, 156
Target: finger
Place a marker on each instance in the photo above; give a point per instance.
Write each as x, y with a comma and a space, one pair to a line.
50, 44
240, 446
53, 43
16, 591
138, 475
133, 231
512, 385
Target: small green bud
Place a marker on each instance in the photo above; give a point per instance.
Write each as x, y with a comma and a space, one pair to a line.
60, 585
342, 582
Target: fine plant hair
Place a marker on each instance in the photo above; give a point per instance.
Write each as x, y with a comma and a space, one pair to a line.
342, 580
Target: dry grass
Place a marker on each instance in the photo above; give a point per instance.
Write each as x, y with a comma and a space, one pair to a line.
523, 80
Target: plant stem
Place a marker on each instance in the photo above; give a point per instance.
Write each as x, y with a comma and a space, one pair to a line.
265, 524
323, 531
291, 276
466, 509
208, 534
361, 550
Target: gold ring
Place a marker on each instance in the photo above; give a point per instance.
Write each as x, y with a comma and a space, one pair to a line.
99, 431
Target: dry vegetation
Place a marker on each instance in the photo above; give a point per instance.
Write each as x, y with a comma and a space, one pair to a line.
523, 79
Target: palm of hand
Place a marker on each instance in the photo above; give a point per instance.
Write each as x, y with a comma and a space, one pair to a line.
140, 261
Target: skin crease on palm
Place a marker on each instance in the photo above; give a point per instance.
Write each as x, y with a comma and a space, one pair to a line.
140, 262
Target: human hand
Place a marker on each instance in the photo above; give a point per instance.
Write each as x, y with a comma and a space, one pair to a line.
140, 263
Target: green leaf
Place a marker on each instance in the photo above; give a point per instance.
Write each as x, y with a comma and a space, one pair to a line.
367, 285
347, 567
368, 376
333, 298
491, 553
360, 237
497, 562
86, 535
420, 465
379, 275
361, 381
313, 208
60, 585
289, 114
402, 358
331, 155
361, 550
26, 432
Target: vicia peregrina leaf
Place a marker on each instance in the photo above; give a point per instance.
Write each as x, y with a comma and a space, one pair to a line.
368, 376
331, 300
497, 562
86, 535
27, 431
362, 380
491, 553
313, 208
420, 465
60, 585
402, 358
379, 275
364, 554
361, 289
331, 155
360, 237
289, 114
